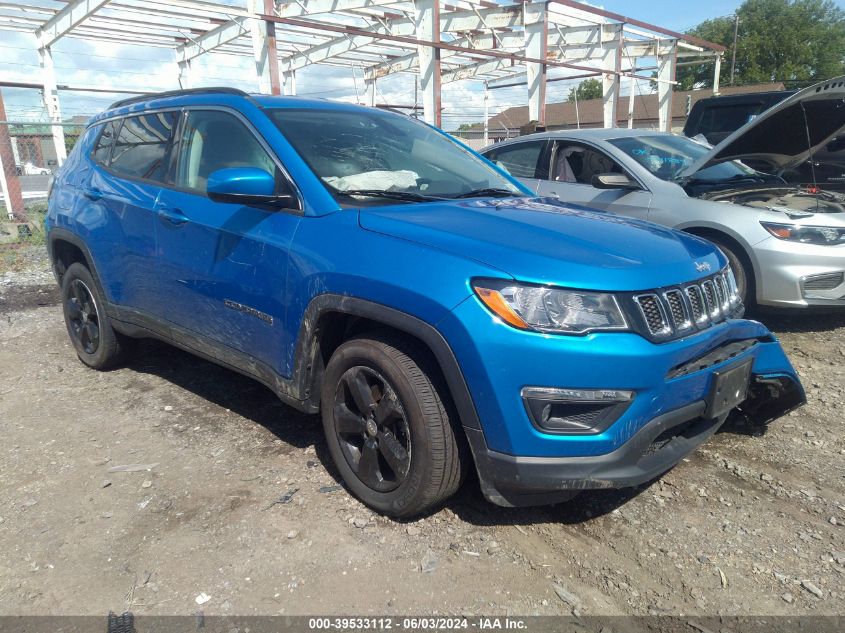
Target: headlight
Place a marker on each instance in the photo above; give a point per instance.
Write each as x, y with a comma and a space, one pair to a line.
827, 235
547, 309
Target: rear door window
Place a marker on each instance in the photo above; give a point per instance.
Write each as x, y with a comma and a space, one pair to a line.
142, 144
521, 160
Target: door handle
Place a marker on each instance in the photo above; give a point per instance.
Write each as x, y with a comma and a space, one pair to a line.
92, 193
172, 216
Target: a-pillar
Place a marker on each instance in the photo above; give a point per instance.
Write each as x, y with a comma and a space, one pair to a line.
536, 36
427, 22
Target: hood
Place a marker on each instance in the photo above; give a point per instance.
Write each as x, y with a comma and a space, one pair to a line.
786, 134
548, 242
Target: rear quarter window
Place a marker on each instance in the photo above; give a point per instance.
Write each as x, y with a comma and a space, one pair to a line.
102, 151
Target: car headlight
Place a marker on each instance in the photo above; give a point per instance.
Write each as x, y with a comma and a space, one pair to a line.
546, 309
826, 235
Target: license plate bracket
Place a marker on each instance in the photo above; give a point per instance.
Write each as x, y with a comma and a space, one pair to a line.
729, 388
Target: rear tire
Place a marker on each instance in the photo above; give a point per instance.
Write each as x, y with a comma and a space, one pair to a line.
88, 326
387, 427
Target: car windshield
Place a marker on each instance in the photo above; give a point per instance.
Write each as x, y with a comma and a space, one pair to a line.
667, 156
376, 155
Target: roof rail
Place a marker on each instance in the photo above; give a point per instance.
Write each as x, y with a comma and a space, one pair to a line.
178, 93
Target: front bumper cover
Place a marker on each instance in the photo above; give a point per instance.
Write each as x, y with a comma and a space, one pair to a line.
509, 480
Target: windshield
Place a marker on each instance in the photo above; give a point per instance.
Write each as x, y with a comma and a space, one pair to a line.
386, 156
667, 156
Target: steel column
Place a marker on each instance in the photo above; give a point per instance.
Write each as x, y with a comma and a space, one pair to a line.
717, 70
185, 74
536, 36
10, 186
50, 95
666, 75
611, 63
427, 22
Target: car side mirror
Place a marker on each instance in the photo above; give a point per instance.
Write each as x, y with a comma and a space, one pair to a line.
248, 186
613, 181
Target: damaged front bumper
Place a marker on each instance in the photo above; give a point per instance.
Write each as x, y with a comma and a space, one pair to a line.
509, 480
662, 402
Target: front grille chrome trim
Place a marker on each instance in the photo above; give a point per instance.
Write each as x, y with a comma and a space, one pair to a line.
668, 313
654, 314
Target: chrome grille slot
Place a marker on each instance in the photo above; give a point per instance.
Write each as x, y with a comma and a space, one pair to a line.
678, 309
654, 314
722, 292
710, 300
696, 300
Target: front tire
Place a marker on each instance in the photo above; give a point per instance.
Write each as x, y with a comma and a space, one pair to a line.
387, 427
742, 271
88, 326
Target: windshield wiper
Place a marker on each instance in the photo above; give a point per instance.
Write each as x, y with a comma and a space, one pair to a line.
492, 192
405, 196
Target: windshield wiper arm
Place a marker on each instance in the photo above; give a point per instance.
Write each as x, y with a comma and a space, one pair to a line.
493, 192
406, 196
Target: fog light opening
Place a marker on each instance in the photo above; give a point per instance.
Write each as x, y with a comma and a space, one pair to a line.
575, 411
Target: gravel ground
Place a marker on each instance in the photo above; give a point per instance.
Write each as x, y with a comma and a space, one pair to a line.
231, 502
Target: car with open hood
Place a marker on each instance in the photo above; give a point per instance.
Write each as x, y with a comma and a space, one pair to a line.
785, 242
437, 315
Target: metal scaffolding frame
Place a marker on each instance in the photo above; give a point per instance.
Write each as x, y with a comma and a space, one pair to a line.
440, 41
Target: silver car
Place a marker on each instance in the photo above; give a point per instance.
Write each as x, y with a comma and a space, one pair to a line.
785, 243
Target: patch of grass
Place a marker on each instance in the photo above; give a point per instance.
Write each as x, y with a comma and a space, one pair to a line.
35, 215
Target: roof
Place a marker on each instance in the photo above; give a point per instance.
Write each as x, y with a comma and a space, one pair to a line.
591, 113
214, 96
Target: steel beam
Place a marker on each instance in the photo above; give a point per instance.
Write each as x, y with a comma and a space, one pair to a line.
427, 22
218, 36
622, 19
296, 8
65, 20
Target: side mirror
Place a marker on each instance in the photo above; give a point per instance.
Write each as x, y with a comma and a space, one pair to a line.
613, 181
246, 185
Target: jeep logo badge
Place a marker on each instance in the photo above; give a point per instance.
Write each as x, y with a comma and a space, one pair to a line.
702, 266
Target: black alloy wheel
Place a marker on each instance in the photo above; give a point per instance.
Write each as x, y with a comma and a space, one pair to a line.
83, 318
372, 429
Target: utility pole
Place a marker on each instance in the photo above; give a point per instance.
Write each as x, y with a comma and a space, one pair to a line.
733, 52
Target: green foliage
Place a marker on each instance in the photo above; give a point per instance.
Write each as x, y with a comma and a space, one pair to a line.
797, 41
587, 89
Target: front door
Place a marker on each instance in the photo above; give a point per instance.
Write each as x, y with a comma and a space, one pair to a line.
223, 266
573, 166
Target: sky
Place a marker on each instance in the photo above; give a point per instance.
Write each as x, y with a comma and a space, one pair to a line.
81, 62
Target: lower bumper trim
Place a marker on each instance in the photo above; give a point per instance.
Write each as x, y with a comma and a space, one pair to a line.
509, 480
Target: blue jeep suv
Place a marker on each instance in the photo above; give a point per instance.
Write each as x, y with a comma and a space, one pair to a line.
368, 267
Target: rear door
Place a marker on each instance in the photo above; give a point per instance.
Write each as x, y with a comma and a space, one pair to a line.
573, 165
526, 160
222, 267
121, 194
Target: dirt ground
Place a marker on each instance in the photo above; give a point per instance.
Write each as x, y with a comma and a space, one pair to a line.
751, 523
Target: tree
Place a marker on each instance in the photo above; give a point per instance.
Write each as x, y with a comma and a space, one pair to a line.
794, 41
587, 89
